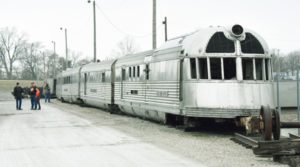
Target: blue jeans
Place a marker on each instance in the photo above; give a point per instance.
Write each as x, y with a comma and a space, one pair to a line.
47, 97
37, 103
33, 102
18, 103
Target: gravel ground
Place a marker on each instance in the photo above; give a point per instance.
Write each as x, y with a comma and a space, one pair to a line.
208, 147
289, 115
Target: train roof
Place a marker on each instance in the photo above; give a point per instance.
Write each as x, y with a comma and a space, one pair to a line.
132, 59
70, 71
99, 66
195, 43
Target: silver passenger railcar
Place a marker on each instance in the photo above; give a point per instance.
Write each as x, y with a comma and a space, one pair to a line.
97, 84
217, 72
68, 85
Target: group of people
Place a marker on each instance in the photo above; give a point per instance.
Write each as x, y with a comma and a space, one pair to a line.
35, 95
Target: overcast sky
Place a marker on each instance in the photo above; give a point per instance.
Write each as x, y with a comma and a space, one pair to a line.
275, 20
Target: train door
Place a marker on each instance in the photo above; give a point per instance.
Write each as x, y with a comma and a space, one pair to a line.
113, 76
146, 86
123, 78
54, 87
85, 82
79, 82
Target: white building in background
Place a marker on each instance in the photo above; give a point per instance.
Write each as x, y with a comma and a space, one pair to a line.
287, 93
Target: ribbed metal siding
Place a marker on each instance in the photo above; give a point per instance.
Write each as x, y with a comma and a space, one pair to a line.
150, 92
103, 92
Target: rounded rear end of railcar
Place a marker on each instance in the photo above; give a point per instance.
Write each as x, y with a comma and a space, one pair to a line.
227, 75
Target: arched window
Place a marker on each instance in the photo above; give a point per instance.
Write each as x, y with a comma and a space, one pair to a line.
220, 44
251, 45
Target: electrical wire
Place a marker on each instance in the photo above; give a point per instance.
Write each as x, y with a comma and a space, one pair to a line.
119, 29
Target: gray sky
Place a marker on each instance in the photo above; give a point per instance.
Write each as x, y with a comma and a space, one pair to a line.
275, 20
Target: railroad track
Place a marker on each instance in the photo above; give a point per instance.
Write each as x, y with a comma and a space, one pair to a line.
286, 150
246, 141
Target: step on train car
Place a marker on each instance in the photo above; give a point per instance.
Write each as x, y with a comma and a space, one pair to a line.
220, 73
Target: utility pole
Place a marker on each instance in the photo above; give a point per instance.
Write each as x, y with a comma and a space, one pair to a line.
298, 98
165, 22
54, 57
95, 35
66, 42
54, 47
278, 75
154, 26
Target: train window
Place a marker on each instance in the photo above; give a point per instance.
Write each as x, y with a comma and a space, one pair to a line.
247, 64
147, 70
123, 74
267, 62
251, 45
220, 44
138, 71
202, 62
103, 77
259, 69
229, 68
129, 72
134, 92
133, 71
193, 68
215, 68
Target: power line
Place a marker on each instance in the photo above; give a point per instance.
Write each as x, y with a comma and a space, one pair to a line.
119, 29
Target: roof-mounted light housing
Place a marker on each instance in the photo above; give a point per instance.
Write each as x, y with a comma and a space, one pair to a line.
237, 30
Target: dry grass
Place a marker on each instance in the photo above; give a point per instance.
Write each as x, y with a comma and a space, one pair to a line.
8, 85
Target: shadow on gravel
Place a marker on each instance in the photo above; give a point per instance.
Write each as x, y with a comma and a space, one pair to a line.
227, 129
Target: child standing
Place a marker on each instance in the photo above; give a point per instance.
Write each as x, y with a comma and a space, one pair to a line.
37, 98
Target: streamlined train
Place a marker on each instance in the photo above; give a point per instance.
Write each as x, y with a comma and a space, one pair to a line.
220, 73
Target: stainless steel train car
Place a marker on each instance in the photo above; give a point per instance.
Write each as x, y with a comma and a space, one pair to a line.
217, 72
68, 85
97, 84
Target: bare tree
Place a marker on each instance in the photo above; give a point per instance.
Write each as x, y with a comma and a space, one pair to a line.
51, 63
278, 62
83, 62
293, 61
11, 47
74, 58
32, 60
125, 47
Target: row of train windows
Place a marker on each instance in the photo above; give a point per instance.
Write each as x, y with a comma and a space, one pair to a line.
94, 77
220, 44
134, 71
67, 80
260, 65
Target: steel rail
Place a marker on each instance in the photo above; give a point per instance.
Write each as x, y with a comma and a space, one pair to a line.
245, 141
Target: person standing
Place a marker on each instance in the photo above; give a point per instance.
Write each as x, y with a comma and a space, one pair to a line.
47, 92
33, 95
37, 99
18, 96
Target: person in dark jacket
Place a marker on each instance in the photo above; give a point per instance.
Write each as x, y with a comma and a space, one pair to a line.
46, 90
18, 96
33, 96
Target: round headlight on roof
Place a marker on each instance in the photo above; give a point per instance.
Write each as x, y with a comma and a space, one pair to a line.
237, 30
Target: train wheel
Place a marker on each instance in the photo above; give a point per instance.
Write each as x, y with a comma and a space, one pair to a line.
276, 125
266, 122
